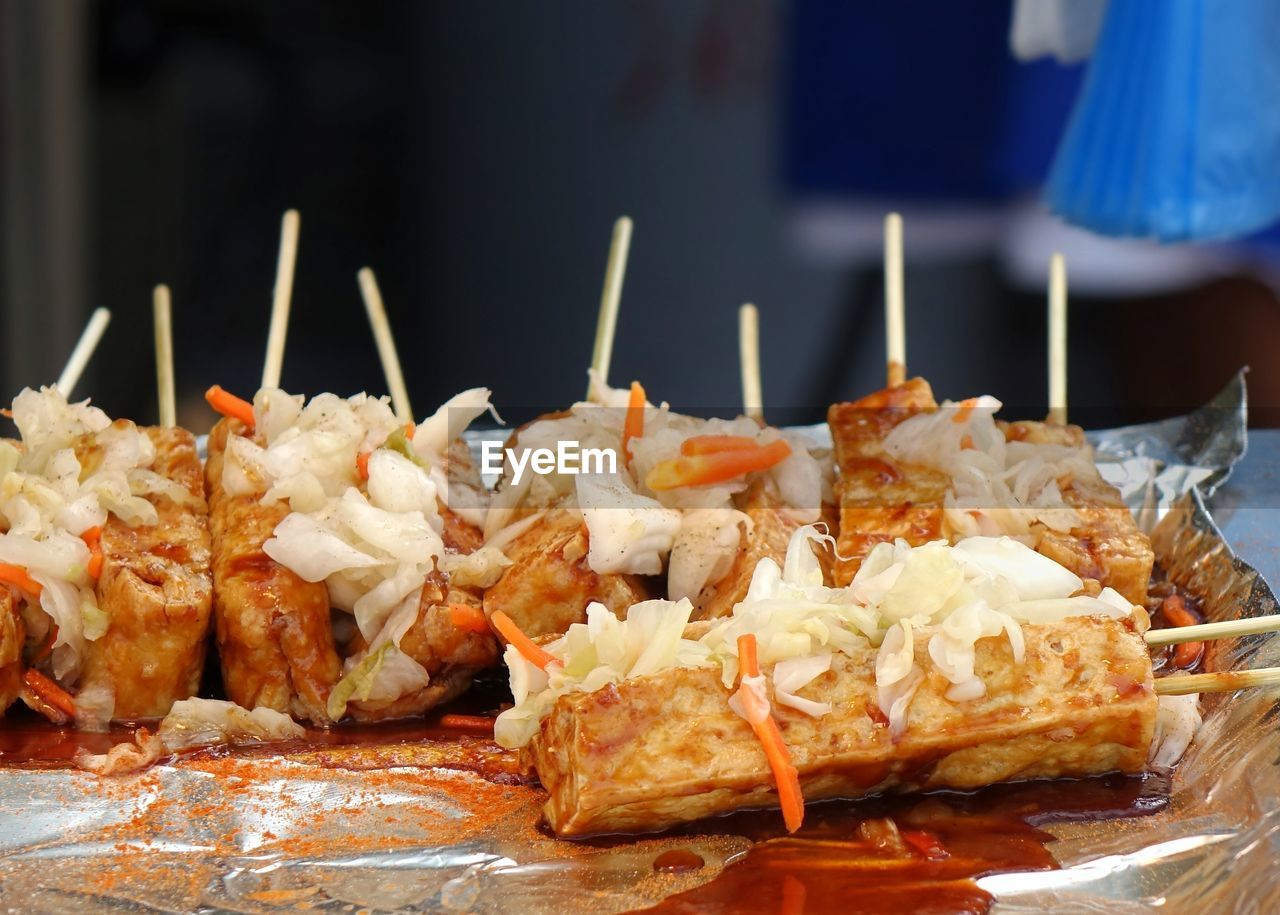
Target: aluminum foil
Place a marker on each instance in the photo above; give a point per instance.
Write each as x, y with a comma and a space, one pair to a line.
411, 827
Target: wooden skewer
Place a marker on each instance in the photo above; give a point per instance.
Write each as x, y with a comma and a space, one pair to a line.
161, 308
1208, 631
386, 344
749, 358
895, 324
607, 322
280, 299
83, 352
1058, 340
1223, 681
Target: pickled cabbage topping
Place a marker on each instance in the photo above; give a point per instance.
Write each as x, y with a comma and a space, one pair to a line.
203, 722
368, 527
73, 468
593, 654
1177, 721
690, 531
997, 487
935, 598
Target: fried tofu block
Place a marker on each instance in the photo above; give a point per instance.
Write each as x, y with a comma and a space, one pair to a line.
664, 749
549, 584
452, 655
275, 637
881, 499
1108, 545
157, 589
12, 637
772, 525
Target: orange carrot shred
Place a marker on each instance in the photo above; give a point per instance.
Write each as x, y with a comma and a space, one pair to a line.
46, 649
713, 444
471, 724
93, 540
465, 616
230, 405
1174, 609
362, 464
20, 579
533, 653
49, 691
965, 407
785, 776
716, 467
633, 426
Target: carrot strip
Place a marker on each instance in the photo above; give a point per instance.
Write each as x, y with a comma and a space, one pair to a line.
465, 616
533, 653
230, 405
409, 429
965, 408
18, 577
362, 464
47, 648
1174, 609
471, 724
717, 467
633, 427
785, 776
49, 691
714, 444
93, 540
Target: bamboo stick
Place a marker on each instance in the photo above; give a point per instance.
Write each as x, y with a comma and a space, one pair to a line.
83, 351
1058, 340
749, 359
387, 354
895, 324
162, 313
1223, 681
1207, 631
281, 296
610, 298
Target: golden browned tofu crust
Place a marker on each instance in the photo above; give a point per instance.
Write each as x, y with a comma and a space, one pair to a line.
275, 637
452, 655
549, 584
1108, 545
12, 638
157, 589
772, 525
881, 499
665, 749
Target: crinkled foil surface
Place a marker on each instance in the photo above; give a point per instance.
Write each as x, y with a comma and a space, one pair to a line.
413, 827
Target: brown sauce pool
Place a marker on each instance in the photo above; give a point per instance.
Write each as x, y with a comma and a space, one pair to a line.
918, 854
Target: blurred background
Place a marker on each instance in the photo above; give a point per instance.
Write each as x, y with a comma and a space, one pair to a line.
476, 154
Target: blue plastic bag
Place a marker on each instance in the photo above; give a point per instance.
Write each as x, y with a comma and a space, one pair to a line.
1176, 134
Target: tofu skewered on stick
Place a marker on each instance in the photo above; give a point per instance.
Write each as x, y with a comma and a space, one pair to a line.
939, 667
336, 560
154, 583
275, 638
106, 524
15, 681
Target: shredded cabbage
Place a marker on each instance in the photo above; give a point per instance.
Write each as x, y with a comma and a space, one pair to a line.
627, 532
203, 722
997, 487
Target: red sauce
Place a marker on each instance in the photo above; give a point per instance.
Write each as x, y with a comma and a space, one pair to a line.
907, 854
